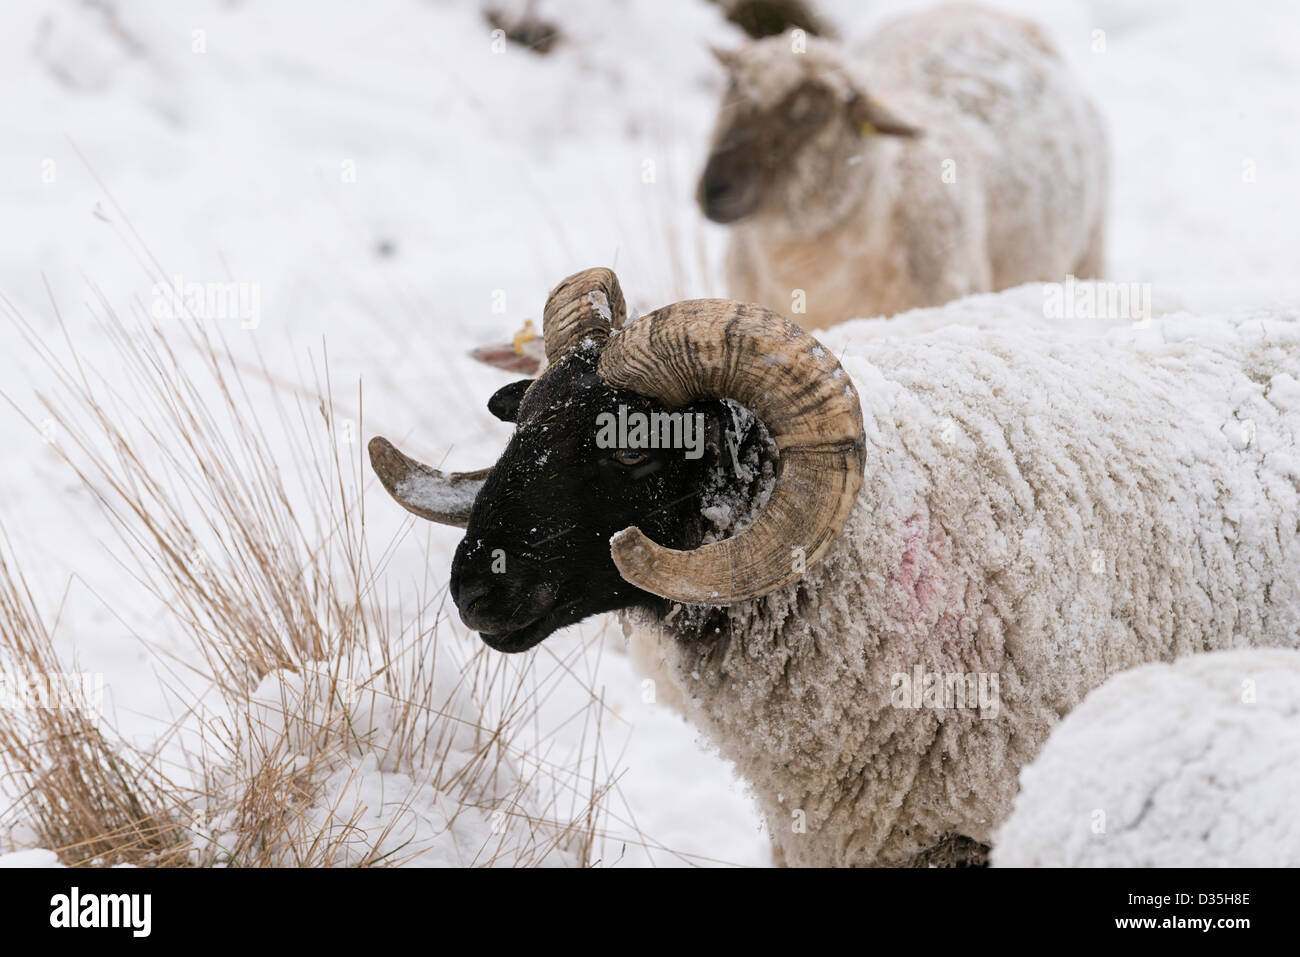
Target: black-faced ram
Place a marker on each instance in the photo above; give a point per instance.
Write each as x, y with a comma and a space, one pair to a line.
880, 592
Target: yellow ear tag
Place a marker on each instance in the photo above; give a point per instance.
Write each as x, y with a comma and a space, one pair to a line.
527, 334
867, 129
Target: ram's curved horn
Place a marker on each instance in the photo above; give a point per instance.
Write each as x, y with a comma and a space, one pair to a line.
714, 348
424, 491
587, 305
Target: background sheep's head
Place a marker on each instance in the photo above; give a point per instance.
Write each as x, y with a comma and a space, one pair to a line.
584, 514
792, 121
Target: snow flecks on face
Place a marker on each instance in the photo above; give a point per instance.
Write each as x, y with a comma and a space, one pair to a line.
726, 502
720, 514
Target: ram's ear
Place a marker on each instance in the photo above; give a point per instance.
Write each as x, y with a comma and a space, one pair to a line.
716, 417
872, 117
504, 403
714, 431
506, 357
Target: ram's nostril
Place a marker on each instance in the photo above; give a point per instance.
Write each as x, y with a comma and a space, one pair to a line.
471, 600
471, 592
495, 603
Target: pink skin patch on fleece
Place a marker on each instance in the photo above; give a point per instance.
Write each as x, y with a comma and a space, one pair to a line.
919, 582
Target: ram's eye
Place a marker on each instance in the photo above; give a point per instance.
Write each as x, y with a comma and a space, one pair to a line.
629, 457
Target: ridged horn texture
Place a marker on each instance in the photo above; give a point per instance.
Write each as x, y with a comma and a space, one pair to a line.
587, 305
424, 491
715, 348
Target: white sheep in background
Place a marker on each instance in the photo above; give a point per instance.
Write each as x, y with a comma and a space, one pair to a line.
1040, 510
1190, 764
817, 163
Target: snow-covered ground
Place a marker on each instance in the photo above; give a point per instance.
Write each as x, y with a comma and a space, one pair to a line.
393, 188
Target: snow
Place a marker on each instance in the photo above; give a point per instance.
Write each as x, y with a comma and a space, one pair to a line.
441, 497
1190, 764
33, 858
600, 302
371, 803
400, 193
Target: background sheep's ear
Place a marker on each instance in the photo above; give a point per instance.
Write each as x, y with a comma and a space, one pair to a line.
504, 403
871, 116
725, 58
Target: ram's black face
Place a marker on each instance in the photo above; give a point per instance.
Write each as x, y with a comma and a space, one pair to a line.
536, 555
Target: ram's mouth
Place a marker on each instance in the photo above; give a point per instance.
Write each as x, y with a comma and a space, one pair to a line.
521, 639
534, 633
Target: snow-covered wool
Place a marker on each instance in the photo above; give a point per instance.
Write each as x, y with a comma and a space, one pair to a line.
1006, 183
1190, 764
1040, 511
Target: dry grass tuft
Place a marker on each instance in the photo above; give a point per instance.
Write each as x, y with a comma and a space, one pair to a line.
347, 726
86, 794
